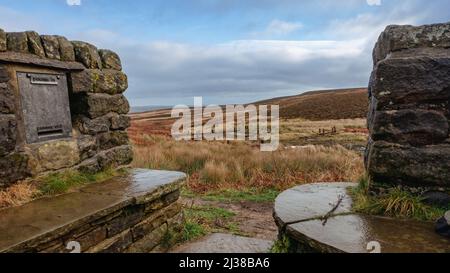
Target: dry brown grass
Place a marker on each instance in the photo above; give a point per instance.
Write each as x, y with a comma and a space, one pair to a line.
240, 165
17, 195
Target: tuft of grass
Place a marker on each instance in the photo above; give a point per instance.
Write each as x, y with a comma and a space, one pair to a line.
395, 203
59, 183
192, 231
233, 195
202, 220
282, 245
17, 194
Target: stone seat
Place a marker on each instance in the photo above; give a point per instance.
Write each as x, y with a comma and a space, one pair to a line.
299, 214
125, 213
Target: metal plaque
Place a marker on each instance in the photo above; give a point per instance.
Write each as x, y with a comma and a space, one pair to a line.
45, 105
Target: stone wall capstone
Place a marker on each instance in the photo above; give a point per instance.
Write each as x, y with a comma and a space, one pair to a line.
409, 113
98, 108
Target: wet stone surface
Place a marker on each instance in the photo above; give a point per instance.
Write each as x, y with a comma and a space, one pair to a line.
311, 201
225, 243
48, 218
299, 211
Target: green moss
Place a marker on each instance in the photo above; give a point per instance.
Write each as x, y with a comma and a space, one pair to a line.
59, 183
283, 245
395, 203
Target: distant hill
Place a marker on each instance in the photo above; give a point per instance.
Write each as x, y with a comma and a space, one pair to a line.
323, 105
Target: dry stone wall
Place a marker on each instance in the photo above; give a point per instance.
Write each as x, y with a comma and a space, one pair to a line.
409, 111
98, 108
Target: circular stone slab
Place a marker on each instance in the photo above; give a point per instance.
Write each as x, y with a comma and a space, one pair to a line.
311, 201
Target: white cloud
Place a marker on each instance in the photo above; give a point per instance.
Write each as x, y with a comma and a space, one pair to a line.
374, 2
73, 2
278, 28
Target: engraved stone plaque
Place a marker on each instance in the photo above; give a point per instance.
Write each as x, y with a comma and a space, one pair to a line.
45, 104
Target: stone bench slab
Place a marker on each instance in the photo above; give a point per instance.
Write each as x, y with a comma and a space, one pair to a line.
48, 218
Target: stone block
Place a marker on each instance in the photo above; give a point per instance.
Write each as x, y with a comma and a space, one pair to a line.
411, 80
119, 122
4, 76
97, 105
149, 242
34, 44
56, 155
8, 134
95, 126
3, 45
117, 156
129, 217
396, 38
87, 54
89, 166
112, 139
416, 127
116, 244
51, 46
66, 50
99, 81
17, 42
87, 146
395, 164
110, 60
7, 105
13, 167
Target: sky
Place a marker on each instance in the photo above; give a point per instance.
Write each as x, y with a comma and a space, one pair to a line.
227, 51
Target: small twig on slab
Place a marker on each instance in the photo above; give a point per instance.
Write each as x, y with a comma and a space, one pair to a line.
331, 212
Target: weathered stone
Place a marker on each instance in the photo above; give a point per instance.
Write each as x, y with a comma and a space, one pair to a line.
443, 225
92, 126
13, 168
150, 241
415, 127
91, 238
225, 243
87, 146
17, 42
396, 38
87, 54
89, 166
117, 156
97, 105
30, 59
110, 59
112, 139
8, 134
66, 50
436, 198
411, 80
7, 105
99, 81
119, 122
127, 219
56, 155
82, 215
34, 44
4, 77
117, 244
317, 200
51, 46
395, 164
3, 46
